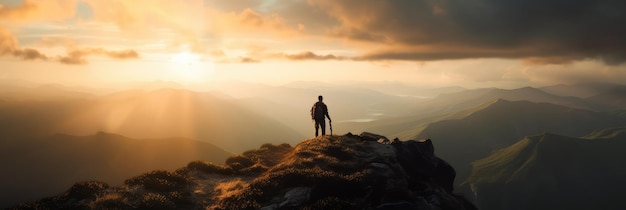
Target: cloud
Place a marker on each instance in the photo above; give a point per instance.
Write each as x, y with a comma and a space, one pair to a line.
78, 56
537, 31
248, 60
9, 46
8, 43
287, 17
20, 11
308, 55
256, 56
35, 10
439, 53
29, 54
73, 60
253, 22
124, 54
177, 23
548, 30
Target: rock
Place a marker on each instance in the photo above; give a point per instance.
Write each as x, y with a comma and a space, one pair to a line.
382, 150
418, 160
366, 136
402, 205
296, 196
270, 207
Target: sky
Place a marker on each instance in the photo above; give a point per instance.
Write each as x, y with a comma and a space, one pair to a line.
431, 43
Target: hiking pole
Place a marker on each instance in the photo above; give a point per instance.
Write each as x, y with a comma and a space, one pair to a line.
331, 127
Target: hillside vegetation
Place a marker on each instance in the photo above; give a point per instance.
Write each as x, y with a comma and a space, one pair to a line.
328, 172
34, 168
549, 171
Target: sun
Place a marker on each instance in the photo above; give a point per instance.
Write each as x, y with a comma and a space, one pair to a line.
185, 58
190, 67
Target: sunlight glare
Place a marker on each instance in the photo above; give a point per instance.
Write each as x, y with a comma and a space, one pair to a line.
186, 59
189, 67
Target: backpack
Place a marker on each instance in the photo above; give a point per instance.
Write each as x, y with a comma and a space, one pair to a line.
318, 111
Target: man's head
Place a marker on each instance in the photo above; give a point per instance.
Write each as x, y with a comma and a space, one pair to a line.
320, 98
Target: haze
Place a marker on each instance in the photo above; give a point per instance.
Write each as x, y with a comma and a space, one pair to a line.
223, 77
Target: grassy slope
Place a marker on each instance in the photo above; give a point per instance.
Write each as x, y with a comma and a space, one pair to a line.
549, 171
498, 125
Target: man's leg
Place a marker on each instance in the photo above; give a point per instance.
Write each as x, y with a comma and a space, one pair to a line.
323, 124
317, 126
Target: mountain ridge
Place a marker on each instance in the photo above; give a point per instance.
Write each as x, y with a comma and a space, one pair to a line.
549, 171
347, 172
504, 122
456, 105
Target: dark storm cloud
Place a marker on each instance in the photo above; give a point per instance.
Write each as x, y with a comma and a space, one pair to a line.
546, 30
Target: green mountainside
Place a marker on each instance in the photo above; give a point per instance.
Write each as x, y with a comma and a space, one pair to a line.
498, 125
549, 171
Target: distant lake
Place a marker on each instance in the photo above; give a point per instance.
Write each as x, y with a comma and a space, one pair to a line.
370, 117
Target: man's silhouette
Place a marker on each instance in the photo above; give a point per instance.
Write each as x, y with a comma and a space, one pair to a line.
319, 112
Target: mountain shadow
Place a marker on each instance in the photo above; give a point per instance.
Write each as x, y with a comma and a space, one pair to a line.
549, 171
327, 172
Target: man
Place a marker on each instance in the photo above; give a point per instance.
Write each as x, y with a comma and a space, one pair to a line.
318, 112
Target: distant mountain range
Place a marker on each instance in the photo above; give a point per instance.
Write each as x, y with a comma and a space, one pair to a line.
37, 167
144, 114
501, 122
464, 125
549, 171
460, 104
583, 90
612, 99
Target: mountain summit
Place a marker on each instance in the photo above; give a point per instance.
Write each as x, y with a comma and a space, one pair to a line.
329, 172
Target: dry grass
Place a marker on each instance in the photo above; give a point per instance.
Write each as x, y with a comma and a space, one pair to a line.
229, 188
332, 167
111, 201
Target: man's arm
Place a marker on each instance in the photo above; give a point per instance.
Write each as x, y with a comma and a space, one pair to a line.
326, 107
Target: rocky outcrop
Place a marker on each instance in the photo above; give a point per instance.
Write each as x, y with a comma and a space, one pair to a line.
364, 171
354, 172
